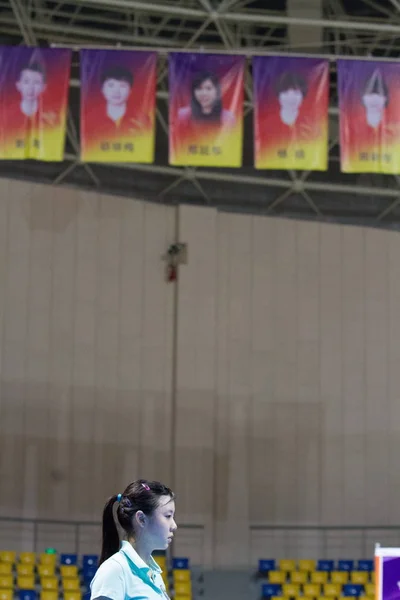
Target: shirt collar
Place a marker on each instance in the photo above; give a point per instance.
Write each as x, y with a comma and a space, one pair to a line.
139, 563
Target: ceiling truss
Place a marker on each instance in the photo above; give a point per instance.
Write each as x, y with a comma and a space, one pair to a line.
346, 28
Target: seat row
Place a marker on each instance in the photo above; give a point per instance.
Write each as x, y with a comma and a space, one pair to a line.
329, 590
307, 565
321, 577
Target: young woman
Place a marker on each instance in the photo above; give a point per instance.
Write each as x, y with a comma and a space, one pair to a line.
142, 518
206, 102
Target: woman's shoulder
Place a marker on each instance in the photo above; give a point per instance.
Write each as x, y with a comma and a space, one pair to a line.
112, 566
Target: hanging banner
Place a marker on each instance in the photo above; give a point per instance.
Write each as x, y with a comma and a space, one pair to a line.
369, 109
34, 84
206, 109
118, 102
291, 97
387, 569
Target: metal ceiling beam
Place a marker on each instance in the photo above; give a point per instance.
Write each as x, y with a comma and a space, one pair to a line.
254, 17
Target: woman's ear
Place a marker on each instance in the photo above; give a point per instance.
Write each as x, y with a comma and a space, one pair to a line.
140, 518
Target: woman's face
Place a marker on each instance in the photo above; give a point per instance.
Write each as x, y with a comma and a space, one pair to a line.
291, 99
206, 95
162, 526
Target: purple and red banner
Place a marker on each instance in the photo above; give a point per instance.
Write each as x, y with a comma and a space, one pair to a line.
206, 109
34, 84
291, 99
118, 102
369, 108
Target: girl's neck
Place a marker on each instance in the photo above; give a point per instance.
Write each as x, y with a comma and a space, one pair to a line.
141, 549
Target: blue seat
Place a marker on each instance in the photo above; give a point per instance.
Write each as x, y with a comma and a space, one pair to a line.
180, 563
345, 565
89, 573
271, 589
325, 565
365, 565
90, 560
68, 559
266, 565
27, 595
353, 590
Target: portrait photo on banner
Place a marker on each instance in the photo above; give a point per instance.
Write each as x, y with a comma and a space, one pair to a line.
34, 86
369, 109
118, 103
291, 102
206, 109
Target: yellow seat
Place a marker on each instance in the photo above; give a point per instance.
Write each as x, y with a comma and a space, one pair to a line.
370, 589
48, 595
277, 577
312, 589
46, 570
49, 584
5, 568
287, 565
71, 585
69, 571
332, 589
183, 588
25, 569
189, 598
298, 577
181, 575
341, 577
319, 577
73, 595
27, 558
6, 582
305, 598
48, 559
290, 590
373, 577
279, 598
26, 582
307, 565
359, 577
366, 597
161, 561
7, 556
6, 594
325, 598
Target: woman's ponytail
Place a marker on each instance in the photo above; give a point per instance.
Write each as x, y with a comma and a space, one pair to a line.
110, 540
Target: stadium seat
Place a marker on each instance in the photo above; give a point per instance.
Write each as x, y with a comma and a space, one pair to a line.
183, 588
68, 559
319, 577
365, 565
307, 565
49, 583
298, 577
180, 563
369, 589
181, 575
312, 589
6, 582
88, 574
278, 598
5, 568
266, 565
48, 595
345, 565
361, 577
69, 571
71, 584
162, 562
353, 589
6, 594
186, 598
26, 582
332, 590
341, 577
305, 598
27, 558
90, 560
25, 569
46, 570
290, 590
27, 595
48, 559
325, 565
73, 595
7, 556
277, 576
366, 597
287, 565
271, 589
372, 575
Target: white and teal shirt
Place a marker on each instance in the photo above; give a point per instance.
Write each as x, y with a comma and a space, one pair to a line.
125, 576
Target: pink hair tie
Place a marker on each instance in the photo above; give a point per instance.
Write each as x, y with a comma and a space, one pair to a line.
146, 487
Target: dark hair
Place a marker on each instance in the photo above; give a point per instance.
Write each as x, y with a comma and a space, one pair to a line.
374, 85
291, 81
140, 495
197, 113
36, 67
118, 73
